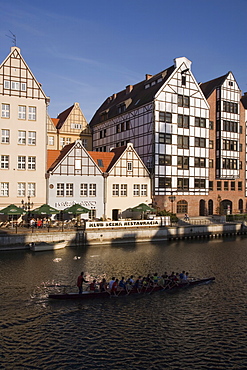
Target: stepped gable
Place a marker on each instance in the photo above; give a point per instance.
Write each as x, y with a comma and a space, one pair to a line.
209, 86
134, 96
60, 154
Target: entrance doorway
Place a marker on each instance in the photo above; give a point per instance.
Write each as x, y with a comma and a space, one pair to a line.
202, 210
226, 207
115, 213
210, 207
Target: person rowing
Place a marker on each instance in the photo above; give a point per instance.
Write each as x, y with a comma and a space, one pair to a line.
92, 286
103, 285
137, 284
114, 287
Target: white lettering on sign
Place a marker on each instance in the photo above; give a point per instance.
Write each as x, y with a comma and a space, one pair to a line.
165, 221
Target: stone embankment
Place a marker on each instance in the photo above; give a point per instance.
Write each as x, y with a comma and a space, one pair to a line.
106, 236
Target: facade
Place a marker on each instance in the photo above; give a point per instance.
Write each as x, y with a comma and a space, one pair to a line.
23, 106
69, 126
244, 103
227, 147
166, 117
107, 183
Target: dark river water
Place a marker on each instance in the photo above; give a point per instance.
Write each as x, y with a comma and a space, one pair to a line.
201, 327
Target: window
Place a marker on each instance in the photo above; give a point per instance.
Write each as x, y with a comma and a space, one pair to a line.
68, 140
127, 125
230, 145
83, 191
121, 108
92, 190
129, 166
60, 189
144, 190
165, 182
240, 165
183, 162
200, 183
102, 133
4, 189
22, 112
165, 159
200, 162
22, 137
240, 129
211, 125
240, 147
183, 121
200, 122
115, 190
123, 192
4, 162
183, 101
183, 184
230, 107
118, 128
62, 141
5, 136
31, 138
165, 117
21, 189
240, 188
232, 185
122, 126
5, 110
165, 138
136, 190
31, 189
6, 84
229, 163
76, 126
226, 186
230, 126
211, 144
211, 163
84, 143
100, 162
21, 164
183, 142
200, 142
77, 164
32, 113
211, 185
31, 163
51, 140
183, 80
69, 190
182, 206
218, 185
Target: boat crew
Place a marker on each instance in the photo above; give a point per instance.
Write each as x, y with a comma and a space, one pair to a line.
92, 286
103, 285
111, 283
80, 281
114, 287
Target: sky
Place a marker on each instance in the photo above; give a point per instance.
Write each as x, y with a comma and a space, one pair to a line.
84, 51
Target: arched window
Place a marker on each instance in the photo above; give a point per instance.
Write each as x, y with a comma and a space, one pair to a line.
210, 207
241, 205
182, 206
202, 207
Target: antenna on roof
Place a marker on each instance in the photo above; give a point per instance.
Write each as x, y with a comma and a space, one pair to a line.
12, 37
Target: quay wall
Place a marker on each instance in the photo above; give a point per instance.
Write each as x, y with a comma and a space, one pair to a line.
106, 236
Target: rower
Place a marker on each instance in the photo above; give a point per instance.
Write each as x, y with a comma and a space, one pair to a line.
114, 287
92, 286
103, 285
111, 283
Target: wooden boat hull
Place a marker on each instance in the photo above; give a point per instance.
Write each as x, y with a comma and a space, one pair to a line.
96, 295
40, 247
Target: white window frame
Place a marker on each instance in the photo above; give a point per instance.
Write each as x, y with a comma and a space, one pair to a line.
22, 137
69, 190
4, 190
92, 190
123, 190
60, 189
51, 140
62, 141
129, 166
84, 143
21, 189
31, 137
5, 136
5, 110
22, 112
136, 190
144, 190
31, 189
68, 140
15, 85
6, 84
32, 113
84, 190
115, 190
4, 162
21, 162
31, 163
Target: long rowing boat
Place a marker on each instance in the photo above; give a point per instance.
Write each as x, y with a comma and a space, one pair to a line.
43, 246
92, 295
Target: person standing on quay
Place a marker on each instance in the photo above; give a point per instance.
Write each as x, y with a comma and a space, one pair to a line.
80, 281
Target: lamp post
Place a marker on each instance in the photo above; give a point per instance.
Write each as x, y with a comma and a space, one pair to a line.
27, 207
172, 198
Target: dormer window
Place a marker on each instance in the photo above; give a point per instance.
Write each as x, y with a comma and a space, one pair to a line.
100, 162
121, 108
104, 116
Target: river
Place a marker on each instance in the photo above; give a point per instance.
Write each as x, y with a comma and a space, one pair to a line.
201, 327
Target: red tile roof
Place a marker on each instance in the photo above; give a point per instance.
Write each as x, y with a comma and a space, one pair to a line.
52, 155
106, 158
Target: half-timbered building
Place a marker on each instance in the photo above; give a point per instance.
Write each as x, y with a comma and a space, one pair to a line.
166, 117
23, 133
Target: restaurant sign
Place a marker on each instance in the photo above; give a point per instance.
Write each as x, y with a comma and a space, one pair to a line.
164, 221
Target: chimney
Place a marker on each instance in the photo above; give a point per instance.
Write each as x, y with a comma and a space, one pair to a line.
148, 77
129, 88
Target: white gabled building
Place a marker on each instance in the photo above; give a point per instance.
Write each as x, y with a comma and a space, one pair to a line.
166, 117
23, 106
107, 183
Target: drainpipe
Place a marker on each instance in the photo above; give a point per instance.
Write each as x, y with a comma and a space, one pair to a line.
105, 175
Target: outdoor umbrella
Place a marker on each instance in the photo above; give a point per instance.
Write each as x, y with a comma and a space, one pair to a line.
142, 207
12, 210
76, 209
45, 209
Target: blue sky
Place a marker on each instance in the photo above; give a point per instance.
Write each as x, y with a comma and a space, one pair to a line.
85, 51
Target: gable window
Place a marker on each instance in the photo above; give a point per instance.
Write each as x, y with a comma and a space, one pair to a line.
165, 138
83, 191
76, 126
183, 142
92, 190
183, 121
60, 189
5, 136
22, 137
115, 190
21, 162
165, 117
183, 101
31, 163
32, 113
129, 166
69, 190
22, 112
6, 84
5, 111
183, 80
4, 162
123, 190
4, 189
31, 138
